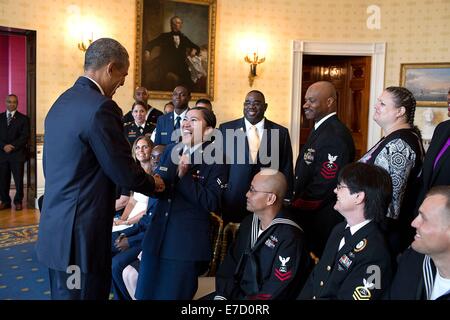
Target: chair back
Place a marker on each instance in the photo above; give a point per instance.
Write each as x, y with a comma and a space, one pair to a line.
229, 235
216, 241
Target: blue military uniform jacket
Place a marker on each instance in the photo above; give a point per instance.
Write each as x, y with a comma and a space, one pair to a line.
164, 129
346, 274
180, 228
241, 174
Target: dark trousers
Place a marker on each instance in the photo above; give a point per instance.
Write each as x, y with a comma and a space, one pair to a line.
92, 286
119, 262
166, 279
17, 169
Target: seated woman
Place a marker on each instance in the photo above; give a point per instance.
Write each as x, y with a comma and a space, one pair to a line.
176, 248
401, 153
137, 205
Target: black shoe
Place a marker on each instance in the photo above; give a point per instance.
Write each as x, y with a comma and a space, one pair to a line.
4, 206
18, 206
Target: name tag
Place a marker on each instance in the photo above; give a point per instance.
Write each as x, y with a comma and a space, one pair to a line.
164, 133
163, 168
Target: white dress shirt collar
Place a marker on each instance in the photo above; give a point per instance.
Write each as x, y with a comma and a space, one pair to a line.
99, 87
182, 115
259, 126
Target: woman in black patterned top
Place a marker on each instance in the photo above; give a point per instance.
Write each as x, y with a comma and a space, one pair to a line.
400, 152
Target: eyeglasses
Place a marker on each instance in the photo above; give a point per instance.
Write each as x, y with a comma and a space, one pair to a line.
252, 190
340, 186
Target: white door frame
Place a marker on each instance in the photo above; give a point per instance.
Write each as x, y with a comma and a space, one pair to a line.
376, 50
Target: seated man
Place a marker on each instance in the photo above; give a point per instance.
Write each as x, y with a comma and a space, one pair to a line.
356, 262
267, 260
423, 272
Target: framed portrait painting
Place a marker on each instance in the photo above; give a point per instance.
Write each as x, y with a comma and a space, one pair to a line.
429, 82
175, 46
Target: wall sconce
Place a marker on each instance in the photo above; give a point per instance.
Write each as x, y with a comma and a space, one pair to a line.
253, 59
85, 43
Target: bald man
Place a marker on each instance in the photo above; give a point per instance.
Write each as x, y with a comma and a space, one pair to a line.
329, 147
267, 260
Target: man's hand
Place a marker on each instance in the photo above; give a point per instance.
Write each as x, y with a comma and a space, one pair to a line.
8, 148
121, 242
183, 165
159, 183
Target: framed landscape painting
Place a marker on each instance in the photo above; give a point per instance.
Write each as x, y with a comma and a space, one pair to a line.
429, 82
175, 46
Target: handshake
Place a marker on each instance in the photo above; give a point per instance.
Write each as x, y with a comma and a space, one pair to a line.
159, 183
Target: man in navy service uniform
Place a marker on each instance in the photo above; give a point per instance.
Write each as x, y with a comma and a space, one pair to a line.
423, 271
14, 134
171, 122
84, 159
267, 260
328, 148
356, 262
141, 94
247, 150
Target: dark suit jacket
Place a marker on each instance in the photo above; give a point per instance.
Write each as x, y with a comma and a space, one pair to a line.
341, 274
173, 59
164, 129
17, 134
441, 174
241, 174
85, 156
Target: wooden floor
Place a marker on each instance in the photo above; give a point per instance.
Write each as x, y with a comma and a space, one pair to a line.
11, 218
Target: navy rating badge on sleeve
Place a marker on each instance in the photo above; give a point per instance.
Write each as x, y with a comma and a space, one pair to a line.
329, 168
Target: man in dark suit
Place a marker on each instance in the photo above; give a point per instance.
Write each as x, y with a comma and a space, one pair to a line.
329, 147
423, 271
172, 58
435, 171
141, 95
85, 156
251, 143
167, 125
14, 133
356, 262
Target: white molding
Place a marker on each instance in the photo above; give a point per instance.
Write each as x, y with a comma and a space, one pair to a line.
377, 50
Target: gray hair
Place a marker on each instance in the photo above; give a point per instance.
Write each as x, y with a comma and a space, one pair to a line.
103, 51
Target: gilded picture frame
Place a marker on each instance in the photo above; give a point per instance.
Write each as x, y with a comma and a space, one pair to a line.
429, 82
167, 57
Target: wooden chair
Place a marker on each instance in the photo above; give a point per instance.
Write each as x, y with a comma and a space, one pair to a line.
229, 234
216, 241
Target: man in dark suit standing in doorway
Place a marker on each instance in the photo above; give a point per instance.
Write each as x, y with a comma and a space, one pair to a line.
14, 134
85, 156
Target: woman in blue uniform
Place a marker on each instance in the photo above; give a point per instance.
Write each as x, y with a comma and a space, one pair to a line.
176, 246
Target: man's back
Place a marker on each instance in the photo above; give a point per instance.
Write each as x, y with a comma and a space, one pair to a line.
79, 189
